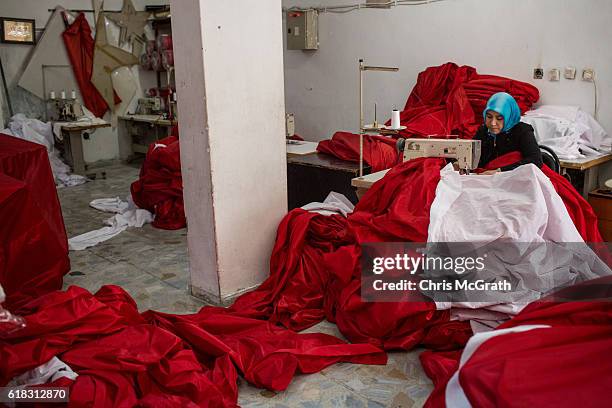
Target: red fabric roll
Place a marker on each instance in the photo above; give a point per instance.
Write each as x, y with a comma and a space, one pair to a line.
164, 42
145, 62
151, 46
167, 58
156, 61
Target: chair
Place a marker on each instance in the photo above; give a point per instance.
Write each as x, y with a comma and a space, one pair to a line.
549, 158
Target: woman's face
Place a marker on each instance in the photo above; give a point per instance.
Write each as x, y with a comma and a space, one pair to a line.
494, 122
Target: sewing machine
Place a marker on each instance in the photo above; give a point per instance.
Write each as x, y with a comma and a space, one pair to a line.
68, 110
466, 153
149, 106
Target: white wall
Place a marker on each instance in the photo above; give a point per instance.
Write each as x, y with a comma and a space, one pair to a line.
103, 144
500, 37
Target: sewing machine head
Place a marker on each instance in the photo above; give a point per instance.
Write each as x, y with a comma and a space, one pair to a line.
149, 106
466, 153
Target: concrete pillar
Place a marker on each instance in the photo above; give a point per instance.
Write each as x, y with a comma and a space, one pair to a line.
230, 88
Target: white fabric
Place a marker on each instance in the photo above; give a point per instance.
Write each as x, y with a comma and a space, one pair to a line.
112, 205
50, 371
519, 206
128, 215
2, 295
34, 130
454, 395
335, 203
571, 132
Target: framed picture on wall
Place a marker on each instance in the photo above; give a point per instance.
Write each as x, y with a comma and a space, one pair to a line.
17, 30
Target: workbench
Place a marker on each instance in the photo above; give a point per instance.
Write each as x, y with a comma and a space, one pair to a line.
589, 167
311, 177
137, 132
72, 141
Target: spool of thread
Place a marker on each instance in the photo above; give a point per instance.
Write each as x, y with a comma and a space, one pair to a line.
164, 42
63, 95
73, 94
156, 63
52, 95
167, 57
145, 61
395, 119
151, 44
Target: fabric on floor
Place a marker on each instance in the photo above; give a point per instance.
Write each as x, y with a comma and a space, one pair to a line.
124, 358
159, 188
558, 365
127, 215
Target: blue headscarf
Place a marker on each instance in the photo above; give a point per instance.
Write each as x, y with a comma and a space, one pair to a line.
504, 104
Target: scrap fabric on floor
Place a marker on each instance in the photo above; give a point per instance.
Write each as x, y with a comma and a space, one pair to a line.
127, 215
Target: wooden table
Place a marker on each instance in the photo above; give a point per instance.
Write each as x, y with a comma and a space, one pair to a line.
590, 167
363, 184
311, 177
72, 137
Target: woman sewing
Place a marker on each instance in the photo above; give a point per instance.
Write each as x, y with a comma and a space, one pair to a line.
503, 132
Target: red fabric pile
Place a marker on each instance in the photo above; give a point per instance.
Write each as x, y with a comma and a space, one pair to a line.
34, 249
160, 186
80, 48
314, 269
378, 151
124, 358
559, 366
446, 99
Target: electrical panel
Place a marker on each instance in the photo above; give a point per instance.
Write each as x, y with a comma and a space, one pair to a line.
302, 30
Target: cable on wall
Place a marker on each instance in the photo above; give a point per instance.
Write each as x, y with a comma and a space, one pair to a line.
347, 8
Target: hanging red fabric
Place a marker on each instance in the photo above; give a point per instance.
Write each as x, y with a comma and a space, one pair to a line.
80, 48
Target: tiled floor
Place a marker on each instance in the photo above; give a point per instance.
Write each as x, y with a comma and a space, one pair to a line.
153, 266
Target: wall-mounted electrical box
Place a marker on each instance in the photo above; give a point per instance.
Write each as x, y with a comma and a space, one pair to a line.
302, 30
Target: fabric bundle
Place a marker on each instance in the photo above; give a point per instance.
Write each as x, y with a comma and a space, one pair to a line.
159, 188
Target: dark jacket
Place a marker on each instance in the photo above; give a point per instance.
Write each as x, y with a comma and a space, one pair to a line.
520, 138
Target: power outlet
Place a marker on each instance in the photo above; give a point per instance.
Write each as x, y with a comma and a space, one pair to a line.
554, 74
588, 74
569, 73
538, 73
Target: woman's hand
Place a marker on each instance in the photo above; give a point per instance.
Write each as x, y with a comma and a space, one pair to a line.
489, 172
